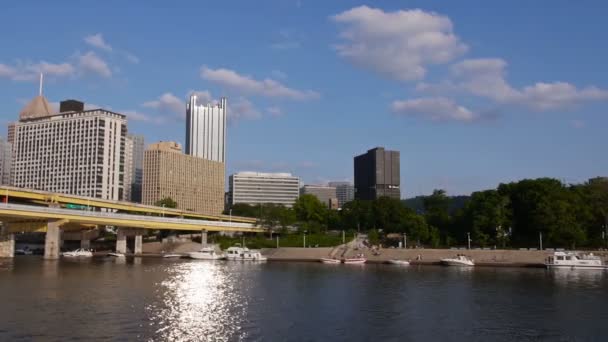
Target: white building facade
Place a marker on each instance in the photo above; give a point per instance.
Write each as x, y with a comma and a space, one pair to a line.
206, 129
76, 152
263, 188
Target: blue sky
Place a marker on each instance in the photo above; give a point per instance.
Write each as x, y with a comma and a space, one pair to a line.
473, 93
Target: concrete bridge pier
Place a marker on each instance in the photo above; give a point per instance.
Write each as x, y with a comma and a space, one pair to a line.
7, 243
204, 238
121, 241
138, 242
52, 242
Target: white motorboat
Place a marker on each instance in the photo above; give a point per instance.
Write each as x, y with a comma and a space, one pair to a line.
78, 253
330, 261
172, 256
253, 255
24, 251
358, 259
572, 260
206, 253
234, 252
458, 260
116, 254
398, 262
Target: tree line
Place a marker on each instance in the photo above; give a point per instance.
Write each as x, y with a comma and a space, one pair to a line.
512, 215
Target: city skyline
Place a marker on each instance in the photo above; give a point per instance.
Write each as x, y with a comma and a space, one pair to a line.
478, 106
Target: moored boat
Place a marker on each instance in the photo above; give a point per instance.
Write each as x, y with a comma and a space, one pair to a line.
172, 256
458, 260
573, 260
253, 255
358, 259
78, 253
398, 262
234, 252
206, 253
116, 254
330, 261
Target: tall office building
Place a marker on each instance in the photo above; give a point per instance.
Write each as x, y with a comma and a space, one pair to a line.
325, 194
377, 174
206, 129
345, 192
196, 184
6, 153
134, 159
263, 188
76, 151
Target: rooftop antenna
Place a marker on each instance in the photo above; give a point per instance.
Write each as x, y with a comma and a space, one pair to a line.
40, 89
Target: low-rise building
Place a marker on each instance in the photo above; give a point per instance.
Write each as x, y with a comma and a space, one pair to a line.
325, 194
263, 188
345, 192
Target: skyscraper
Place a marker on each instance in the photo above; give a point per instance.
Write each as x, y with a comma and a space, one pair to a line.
206, 129
263, 188
134, 159
377, 174
345, 192
6, 152
79, 152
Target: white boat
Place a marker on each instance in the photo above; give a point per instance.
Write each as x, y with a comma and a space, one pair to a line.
572, 260
206, 253
458, 260
358, 259
78, 253
398, 262
330, 261
24, 251
116, 254
234, 252
172, 256
252, 255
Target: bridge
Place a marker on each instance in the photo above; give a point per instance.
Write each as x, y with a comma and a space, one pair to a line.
43, 213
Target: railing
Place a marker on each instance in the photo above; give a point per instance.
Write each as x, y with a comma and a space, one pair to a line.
94, 214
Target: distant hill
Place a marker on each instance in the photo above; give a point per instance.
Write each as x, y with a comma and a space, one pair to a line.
417, 204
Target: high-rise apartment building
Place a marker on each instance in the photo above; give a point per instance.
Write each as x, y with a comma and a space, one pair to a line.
377, 174
325, 194
206, 129
79, 152
6, 152
345, 192
134, 159
263, 188
196, 184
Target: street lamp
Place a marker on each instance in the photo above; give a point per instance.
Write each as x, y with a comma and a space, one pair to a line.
404, 240
304, 239
163, 212
469, 239
230, 212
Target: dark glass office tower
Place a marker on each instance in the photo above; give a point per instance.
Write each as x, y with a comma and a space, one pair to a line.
377, 174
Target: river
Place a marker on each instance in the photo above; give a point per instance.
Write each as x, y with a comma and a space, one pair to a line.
147, 299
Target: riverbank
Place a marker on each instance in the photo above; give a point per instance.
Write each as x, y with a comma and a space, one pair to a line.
492, 258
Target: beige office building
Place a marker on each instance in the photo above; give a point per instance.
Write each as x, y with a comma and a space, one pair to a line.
196, 184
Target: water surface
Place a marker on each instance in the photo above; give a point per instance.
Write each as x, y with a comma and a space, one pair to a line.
181, 300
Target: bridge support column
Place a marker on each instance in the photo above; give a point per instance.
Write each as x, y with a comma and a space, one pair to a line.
138, 242
204, 238
85, 243
7, 243
52, 242
121, 241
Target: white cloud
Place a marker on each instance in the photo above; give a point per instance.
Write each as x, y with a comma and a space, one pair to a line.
246, 84
31, 71
202, 96
131, 58
97, 41
398, 44
486, 77
91, 63
242, 109
141, 117
274, 111
434, 109
168, 103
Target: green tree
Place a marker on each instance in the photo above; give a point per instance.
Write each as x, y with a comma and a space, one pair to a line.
166, 202
436, 209
310, 211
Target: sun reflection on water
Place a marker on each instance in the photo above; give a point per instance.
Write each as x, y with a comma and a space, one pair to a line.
199, 301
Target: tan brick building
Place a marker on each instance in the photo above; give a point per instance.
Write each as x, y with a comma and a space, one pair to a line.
196, 184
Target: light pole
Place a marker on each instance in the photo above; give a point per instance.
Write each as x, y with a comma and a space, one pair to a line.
469, 239
277, 241
404, 240
230, 212
163, 213
304, 239
343, 237
540, 240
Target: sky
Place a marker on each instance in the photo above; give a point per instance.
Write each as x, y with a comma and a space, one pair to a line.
472, 93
